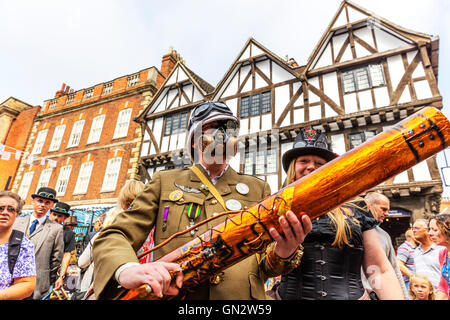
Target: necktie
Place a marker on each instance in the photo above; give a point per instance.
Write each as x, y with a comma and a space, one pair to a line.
33, 226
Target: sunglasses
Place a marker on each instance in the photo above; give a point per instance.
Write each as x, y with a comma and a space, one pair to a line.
8, 208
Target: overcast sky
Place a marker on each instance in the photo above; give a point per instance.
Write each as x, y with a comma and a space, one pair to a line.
82, 43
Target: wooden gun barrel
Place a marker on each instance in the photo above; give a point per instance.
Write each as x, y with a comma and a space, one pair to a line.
389, 153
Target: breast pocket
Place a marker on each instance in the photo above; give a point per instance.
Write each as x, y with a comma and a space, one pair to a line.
172, 217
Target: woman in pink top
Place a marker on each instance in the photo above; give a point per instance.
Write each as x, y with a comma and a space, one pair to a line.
440, 234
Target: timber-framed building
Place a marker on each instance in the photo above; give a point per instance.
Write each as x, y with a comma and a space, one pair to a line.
364, 75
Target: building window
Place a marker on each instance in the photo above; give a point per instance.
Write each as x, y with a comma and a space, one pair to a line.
25, 185
84, 177
359, 138
175, 123
75, 136
63, 180
52, 104
57, 137
363, 78
111, 174
40, 139
96, 129
44, 178
256, 104
70, 98
123, 120
107, 88
88, 93
133, 80
260, 162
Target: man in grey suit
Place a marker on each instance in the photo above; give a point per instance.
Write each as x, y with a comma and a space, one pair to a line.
47, 238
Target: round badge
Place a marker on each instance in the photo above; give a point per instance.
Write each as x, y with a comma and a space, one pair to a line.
176, 195
242, 188
233, 205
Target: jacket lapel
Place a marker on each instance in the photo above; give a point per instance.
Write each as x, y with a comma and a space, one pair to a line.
39, 234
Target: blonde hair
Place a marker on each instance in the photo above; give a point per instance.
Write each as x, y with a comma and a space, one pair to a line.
337, 216
127, 194
431, 295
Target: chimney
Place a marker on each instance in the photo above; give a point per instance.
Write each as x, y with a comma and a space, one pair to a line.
168, 63
60, 92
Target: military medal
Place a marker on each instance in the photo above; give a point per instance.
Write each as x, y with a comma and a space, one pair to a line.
192, 213
176, 195
187, 189
233, 205
166, 213
242, 188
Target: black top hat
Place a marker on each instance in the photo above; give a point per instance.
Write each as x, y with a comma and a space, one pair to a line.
61, 207
309, 142
46, 193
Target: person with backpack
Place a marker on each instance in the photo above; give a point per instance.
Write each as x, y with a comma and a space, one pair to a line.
17, 259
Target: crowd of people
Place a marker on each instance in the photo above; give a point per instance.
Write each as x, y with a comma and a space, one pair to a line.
342, 255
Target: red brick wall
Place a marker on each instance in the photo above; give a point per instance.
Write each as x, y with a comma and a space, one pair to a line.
99, 155
17, 138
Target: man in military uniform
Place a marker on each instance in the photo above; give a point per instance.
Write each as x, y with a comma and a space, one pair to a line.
177, 199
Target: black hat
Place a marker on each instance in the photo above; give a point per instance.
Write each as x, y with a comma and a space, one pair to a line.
61, 207
309, 142
46, 193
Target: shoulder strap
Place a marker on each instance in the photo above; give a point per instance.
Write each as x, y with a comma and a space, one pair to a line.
14, 248
211, 187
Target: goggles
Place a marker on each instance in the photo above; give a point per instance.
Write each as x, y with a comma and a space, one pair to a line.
311, 143
203, 110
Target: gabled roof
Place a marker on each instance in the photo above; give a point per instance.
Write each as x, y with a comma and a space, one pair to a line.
262, 51
354, 13
203, 86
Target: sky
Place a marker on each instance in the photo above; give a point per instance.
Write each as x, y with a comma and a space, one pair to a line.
46, 43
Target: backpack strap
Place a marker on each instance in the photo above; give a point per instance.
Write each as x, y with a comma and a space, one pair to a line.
14, 248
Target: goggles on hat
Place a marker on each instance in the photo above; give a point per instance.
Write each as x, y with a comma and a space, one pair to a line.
203, 110
311, 143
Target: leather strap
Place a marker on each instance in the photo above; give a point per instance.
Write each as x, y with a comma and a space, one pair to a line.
210, 186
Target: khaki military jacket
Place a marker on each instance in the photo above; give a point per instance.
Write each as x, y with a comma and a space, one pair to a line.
118, 243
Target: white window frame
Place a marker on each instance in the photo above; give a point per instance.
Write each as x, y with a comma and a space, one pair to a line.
70, 98
57, 137
63, 180
25, 184
88, 93
40, 140
133, 80
107, 88
84, 177
96, 129
261, 162
75, 135
111, 174
123, 122
44, 178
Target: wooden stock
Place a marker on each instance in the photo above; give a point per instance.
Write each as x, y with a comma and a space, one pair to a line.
411, 141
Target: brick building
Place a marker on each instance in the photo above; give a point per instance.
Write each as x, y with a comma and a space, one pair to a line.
85, 144
16, 121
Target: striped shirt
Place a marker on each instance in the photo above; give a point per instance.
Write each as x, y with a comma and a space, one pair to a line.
405, 253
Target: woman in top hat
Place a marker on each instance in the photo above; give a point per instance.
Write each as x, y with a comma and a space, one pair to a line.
59, 213
339, 243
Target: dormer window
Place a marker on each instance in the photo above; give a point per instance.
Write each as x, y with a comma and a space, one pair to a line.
88, 93
133, 80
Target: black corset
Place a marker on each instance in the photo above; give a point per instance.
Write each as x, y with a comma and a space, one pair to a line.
325, 272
